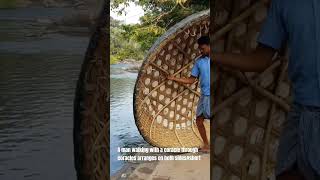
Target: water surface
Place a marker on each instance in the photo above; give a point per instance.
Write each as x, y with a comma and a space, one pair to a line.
38, 76
123, 130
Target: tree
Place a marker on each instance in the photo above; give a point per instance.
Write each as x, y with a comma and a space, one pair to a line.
163, 13
159, 16
122, 46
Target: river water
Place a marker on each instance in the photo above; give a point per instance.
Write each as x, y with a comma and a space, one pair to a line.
38, 77
123, 130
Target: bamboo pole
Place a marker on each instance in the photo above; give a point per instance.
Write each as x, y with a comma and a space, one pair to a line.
237, 20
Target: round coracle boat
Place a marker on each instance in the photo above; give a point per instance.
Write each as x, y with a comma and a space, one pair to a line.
91, 107
165, 110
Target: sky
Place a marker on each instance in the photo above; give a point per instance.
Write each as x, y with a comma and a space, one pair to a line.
133, 13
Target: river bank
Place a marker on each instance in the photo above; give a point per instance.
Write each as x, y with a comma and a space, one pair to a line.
79, 18
130, 65
39, 21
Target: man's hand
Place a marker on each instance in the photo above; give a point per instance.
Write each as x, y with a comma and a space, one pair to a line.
256, 61
189, 80
170, 77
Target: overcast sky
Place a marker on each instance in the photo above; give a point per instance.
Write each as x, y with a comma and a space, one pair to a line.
133, 13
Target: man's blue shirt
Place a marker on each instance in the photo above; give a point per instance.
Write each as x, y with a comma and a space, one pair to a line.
296, 22
201, 68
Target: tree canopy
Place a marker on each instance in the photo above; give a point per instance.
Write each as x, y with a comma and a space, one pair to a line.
122, 45
159, 16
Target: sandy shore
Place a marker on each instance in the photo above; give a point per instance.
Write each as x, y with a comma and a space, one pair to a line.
167, 169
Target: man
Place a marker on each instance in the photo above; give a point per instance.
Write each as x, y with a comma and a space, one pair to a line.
201, 69
296, 23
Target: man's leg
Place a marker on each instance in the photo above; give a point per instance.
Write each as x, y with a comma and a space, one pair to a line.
203, 134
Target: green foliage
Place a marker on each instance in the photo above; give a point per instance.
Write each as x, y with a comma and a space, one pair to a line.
159, 16
144, 35
122, 45
8, 4
163, 13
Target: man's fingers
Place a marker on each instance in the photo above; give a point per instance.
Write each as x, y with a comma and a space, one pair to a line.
170, 77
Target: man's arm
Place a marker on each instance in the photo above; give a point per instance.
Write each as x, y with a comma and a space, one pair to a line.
256, 61
272, 37
189, 80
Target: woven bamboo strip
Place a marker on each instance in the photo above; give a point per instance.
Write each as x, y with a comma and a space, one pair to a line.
167, 73
182, 51
175, 130
237, 20
174, 115
230, 100
267, 94
237, 95
163, 109
157, 87
260, 90
269, 123
271, 97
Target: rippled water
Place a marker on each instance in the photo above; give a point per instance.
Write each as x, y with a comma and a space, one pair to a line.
123, 130
36, 116
37, 84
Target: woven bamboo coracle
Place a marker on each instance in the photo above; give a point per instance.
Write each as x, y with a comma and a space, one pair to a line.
165, 110
249, 108
91, 106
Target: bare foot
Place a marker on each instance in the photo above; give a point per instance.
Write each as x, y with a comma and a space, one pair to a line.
205, 149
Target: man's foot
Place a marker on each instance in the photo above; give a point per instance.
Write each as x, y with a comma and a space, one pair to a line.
205, 149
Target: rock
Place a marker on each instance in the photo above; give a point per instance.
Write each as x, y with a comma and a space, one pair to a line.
129, 61
134, 69
133, 65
